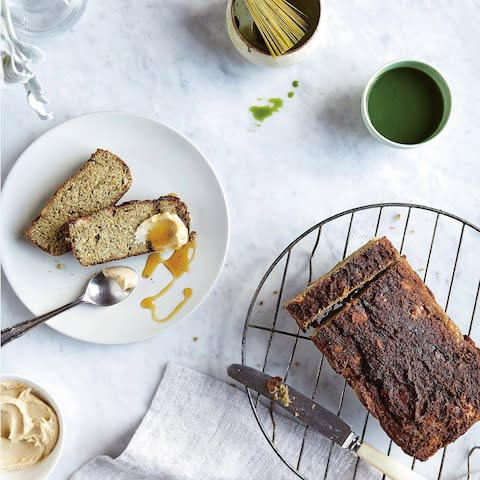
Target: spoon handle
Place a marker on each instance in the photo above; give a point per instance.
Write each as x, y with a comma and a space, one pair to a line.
15, 331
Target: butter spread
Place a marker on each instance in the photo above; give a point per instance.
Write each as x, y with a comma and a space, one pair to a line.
165, 231
29, 427
124, 276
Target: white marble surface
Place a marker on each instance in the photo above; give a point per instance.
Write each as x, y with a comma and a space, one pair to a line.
172, 61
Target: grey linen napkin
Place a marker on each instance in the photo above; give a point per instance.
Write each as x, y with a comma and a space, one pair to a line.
199, 427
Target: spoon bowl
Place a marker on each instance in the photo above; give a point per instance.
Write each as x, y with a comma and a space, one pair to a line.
104, 291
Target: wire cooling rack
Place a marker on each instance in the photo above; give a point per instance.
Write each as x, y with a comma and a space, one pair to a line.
441, 247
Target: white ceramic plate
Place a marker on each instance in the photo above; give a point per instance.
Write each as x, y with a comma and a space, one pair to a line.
161, 161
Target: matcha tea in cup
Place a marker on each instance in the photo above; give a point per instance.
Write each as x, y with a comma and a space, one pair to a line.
406, 104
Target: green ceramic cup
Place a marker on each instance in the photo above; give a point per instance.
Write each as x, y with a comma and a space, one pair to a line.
406, 104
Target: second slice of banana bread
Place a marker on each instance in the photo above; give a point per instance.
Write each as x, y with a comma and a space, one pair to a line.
109, 234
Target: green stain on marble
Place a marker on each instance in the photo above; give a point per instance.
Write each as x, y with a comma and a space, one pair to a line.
261, 112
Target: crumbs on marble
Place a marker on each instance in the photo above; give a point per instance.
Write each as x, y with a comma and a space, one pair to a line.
260, 302
258, 365
398, 216
195, 339
60, 266
411, 231
275, 292
296, 363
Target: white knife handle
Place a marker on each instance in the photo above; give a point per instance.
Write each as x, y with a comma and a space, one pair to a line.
387, 465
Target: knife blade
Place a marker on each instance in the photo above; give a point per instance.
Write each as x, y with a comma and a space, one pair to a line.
301, 407
319, 419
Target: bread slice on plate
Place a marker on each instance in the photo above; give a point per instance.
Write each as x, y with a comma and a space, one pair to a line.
406, 360
99, 183
109, 234
349, 275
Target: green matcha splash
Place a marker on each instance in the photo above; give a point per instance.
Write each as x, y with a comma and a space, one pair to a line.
261, 112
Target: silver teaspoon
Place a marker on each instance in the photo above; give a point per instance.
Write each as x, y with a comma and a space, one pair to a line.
102, 290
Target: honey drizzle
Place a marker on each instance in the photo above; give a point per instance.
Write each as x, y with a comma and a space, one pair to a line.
177, 264
160, 235
153, 261
149, 303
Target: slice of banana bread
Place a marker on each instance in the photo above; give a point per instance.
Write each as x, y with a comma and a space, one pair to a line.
99, 183
109, 234
408, 363
350, 274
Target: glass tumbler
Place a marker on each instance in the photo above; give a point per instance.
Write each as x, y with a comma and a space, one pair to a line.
41, 18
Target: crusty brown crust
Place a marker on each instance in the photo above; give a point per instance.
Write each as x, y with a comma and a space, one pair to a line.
334, 286
56, 193
178, 205
406, 360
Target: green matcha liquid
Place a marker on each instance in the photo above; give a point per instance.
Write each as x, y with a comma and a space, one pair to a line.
405, 105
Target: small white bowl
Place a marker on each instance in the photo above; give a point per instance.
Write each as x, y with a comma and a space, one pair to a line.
260, 57
421, 66
43, 469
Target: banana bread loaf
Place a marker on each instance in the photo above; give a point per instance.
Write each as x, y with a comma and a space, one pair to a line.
350, 274
408, 363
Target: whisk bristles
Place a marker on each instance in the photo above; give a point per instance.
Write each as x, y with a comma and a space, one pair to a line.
280, 23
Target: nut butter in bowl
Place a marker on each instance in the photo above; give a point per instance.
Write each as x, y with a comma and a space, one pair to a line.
31, 430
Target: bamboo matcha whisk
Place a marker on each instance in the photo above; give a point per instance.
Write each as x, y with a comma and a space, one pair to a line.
281, 24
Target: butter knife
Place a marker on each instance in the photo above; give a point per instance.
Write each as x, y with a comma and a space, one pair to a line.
321, 420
